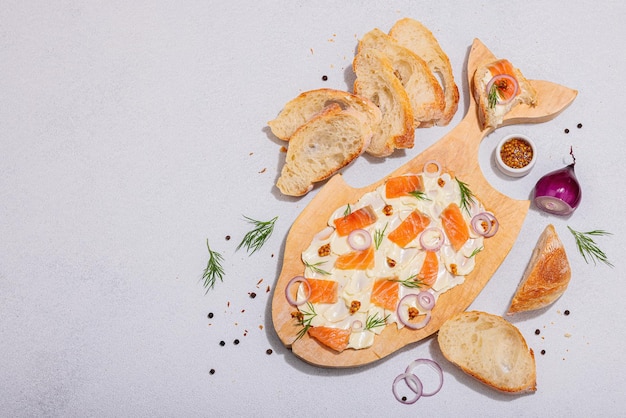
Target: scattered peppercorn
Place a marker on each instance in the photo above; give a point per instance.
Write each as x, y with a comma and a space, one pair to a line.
210, 315
268, 351
236, 342
227, 237
566, 312
580, 125
537, 332
404, 399
252, 295
324, 77
212, 371
222, 343
566, 130
543, 352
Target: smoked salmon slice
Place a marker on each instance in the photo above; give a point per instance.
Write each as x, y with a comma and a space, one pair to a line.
355, 220
322, 291
454, 226
356, 260
385, 294
409, 229
335, 338
403, 186
505, 81
429, 271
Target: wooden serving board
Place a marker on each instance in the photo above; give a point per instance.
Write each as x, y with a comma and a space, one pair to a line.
457, 152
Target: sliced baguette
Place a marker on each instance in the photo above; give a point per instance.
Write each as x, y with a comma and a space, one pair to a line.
302, 108
375, 80
546, 277
322, 146
425, 93
492, 116
490, 349
415, 36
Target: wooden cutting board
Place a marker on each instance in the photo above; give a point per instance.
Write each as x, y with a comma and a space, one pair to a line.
457, 152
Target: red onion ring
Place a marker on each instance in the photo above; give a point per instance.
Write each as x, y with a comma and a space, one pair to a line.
357, 325
415, 386
432, 364
426, 300
437, 245
490, 219
406, 322
430, 173
506, 77
290, 299
359, 239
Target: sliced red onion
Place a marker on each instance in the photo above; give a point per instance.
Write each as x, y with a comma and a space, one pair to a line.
324, 233
359, 239
426, 300
432, 364
415, 386
432, 174
503, 77
490, 220
428, 244
405, 321
558, 192
357, 325
293, 300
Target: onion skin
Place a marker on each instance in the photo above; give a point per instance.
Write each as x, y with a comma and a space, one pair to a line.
558, 187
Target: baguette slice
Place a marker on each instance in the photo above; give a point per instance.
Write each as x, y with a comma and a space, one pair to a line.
322, 146
546, 277
492, 116
415, 36
425, 93
375, 80
302, 108
490, 349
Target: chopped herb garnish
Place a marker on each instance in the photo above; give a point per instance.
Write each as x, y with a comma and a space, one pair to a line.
214, 269
379, 235
315, 267
493, 96
374, 321
467, 197
476, 251
588, 248
255, 239
305, 320
419, 195
348, 210
412, 282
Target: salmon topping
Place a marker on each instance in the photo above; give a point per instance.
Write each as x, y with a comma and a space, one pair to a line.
454, 226
322, 291
355, 220
356, 260
429, 271
334, 338
403, 186
409, 229
385, 294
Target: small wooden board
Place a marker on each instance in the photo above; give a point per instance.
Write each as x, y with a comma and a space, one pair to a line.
457, 152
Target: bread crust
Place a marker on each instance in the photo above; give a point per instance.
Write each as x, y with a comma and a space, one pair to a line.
546, 277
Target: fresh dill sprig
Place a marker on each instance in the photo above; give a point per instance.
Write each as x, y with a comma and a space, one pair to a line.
374, 321
254, 240
379, 235
348, 210
467, 197
493, 96
588, 248
419, 195
315, 267
214, 269
305, 320
412, 282
476, 251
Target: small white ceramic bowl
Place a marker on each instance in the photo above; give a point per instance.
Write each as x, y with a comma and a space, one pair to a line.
511, 171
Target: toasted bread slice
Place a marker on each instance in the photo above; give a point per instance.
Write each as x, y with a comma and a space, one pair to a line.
491, 114
415, 36
491, 349
302, 108
425, 93
546, 277
375, 80
322, 146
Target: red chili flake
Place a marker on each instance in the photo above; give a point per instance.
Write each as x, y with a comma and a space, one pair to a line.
268, 289
259, 282
262, 171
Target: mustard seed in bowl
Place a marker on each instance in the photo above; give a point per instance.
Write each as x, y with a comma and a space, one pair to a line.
515, 155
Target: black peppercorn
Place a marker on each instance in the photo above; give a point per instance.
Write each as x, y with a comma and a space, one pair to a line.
543, 352
268, 351
210, 315
566, 312
212, 371
252, 295
227, 237
324, 77
580, 125
236, 342
222, 343
566, 130
537, 332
